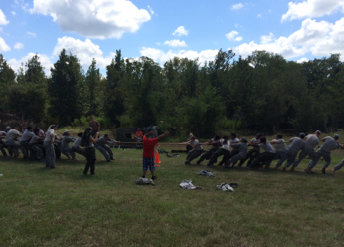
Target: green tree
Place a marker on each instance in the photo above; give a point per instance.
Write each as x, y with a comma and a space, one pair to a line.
92, 81
66, 76
114, 106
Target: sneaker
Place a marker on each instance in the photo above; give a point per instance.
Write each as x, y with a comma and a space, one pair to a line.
154, 177
143, 176
309, 170
112, 159
323, 170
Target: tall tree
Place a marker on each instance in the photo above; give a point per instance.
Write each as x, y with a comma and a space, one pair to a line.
63, 89
114, 106
92, 81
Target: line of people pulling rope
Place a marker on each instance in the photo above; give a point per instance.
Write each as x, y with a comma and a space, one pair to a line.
35, 144
235, 151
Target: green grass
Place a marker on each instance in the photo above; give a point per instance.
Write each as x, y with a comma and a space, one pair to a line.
60, 207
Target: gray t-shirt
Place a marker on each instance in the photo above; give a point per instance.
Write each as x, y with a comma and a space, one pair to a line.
235, 141
196, 142
267, 147
34, 139
65, 140
311, 141
280, 145
26, 136
329, 144
296, 145
90, 143
48, 137
12, 135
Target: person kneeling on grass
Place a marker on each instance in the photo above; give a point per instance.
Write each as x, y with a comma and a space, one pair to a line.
148, 152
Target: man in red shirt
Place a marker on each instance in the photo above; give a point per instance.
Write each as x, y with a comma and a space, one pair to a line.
148, 152
138, 135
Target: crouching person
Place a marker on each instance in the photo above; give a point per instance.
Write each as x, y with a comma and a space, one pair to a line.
105, 142
265, 157
76, 145
242, 152
196, 150
36, 151
65, 148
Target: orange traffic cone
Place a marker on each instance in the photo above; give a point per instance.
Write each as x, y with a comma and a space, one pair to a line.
157, 161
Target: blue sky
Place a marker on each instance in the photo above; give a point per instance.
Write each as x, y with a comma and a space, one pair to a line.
161, 30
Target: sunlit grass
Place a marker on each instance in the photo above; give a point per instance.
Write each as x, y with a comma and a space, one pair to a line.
46, 207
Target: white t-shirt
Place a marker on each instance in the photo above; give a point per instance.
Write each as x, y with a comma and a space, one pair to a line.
280, 145
226, 146
12, 135
27, 135
47, 135
267, 147
77, 142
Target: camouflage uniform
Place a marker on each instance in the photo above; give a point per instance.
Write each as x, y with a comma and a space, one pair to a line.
65, 149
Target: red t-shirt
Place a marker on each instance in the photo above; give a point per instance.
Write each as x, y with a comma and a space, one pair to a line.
148, 147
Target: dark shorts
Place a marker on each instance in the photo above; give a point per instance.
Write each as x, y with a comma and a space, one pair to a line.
148, 162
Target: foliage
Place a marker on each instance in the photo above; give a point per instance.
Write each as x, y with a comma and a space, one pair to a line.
263, 92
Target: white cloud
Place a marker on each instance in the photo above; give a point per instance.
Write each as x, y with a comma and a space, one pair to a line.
4, 46
259, 16
312, 8
233, 36
3, 20
310, 32
320, 38
13, 13
180, 31
18, 46
175, 43
302, 60
31, 34
21, 4
84, 50
94, 18
266, 39
43, 59
237, 6
333, 41
162, 57
151, 11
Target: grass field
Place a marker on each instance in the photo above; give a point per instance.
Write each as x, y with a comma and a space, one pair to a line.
60, 207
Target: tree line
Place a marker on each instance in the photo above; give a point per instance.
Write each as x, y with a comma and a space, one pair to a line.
263, 92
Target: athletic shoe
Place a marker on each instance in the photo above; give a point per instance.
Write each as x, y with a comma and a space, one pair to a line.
309, 170
323, 170
154, 177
